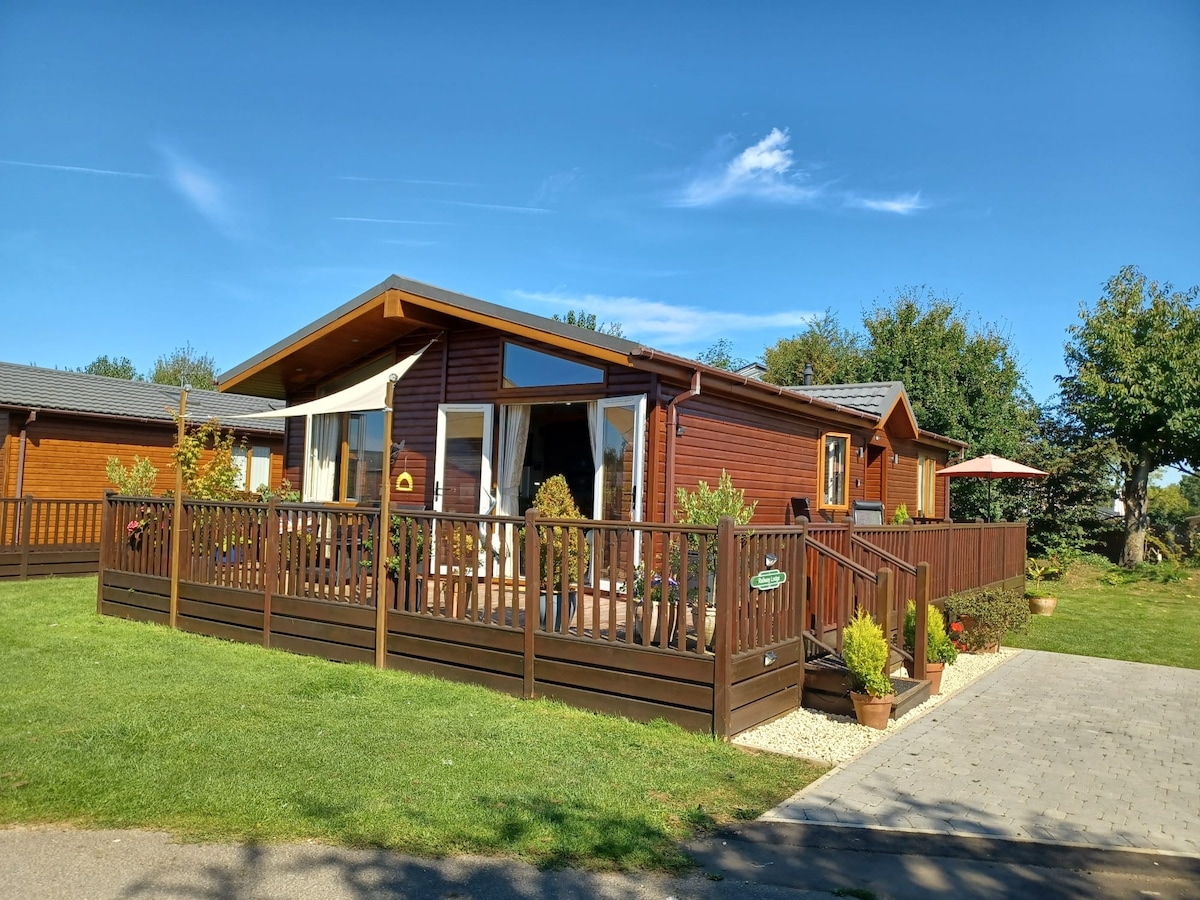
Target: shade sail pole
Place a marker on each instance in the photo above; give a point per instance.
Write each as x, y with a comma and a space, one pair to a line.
383, 543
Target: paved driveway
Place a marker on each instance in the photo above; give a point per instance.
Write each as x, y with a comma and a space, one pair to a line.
1048, 747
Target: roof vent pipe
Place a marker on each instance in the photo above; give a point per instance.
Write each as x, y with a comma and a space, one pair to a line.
808, 374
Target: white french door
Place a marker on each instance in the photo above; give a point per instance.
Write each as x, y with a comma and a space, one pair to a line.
618, 449
463, 470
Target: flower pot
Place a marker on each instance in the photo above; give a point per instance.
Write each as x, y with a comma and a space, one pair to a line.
655, 635
1042, 606
969, 624
710, 624
558, 610
873, 712
933, 671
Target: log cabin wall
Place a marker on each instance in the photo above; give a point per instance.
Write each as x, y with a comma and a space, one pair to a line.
66, 455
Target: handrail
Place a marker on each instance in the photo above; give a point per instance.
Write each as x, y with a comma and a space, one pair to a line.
886, 556
846, 561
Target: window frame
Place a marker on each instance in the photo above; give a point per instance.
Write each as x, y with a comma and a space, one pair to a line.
926, 486
822, 464
341, 462
552, 392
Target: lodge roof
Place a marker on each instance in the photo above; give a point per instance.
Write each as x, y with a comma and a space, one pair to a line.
380, 313
55, 390
874, 397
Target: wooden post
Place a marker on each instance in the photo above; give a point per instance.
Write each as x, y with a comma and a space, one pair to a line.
533, 589
177, 512
800, 603
106, 520
884, 594
979, 526
26, 527
271, 570
727, 592
383, 543
950, 586
921, 601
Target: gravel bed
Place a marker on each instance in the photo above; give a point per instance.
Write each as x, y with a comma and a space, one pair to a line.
836, 739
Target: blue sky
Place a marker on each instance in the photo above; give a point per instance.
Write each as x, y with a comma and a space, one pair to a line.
224, 175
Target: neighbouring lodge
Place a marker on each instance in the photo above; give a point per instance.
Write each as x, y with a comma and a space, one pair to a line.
498, 400
58, 429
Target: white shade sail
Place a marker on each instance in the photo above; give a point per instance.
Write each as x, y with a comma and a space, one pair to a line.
367, 395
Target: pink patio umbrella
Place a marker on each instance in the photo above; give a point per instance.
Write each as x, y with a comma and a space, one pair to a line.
990, 466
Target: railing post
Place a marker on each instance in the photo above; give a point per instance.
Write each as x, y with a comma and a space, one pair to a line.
26, 526
884, 597
800, 602
177, 511
533, 589
727, 591
979, 527
271, 571
921, 639
106, 519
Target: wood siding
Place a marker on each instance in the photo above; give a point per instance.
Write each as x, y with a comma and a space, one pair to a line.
65, 456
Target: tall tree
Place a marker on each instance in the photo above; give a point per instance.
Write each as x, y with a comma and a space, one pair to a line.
834, 353
186, 365
720, 356
1133, 375
584, 319
112, 367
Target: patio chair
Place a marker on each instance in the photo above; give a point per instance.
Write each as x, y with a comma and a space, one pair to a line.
868, 512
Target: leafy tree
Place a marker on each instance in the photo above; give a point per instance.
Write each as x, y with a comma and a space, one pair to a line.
186, 365
136, 480
217, 479
1166, 509
587, 320
720, 356
114, 367
833, 352
1189, 485
1133, 376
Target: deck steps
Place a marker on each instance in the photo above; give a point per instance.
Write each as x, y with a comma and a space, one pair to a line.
827, 688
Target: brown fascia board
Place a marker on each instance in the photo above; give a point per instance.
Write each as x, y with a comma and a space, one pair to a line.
743, 386
137, 420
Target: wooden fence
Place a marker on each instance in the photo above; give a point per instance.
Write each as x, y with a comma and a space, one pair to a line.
48, 537
704, 627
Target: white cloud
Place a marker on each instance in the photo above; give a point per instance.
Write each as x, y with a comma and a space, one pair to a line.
203, 191
497, 206
84, 170
762, 171
902, 204
663, 324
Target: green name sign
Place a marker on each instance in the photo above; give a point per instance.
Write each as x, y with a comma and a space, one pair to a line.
768, 579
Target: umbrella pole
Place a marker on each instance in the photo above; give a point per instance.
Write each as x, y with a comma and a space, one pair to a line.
989, 481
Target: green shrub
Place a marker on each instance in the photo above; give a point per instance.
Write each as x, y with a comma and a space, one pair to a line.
705, 506
994, 612
865, 650
900, 516
553, 500
135, 481
939, 647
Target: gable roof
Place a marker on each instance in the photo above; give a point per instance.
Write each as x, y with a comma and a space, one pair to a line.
376, 318
53, 390
875, 397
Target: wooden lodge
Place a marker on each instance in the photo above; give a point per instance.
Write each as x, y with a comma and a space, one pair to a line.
626, 611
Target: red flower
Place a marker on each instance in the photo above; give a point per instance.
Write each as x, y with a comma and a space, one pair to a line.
956, 626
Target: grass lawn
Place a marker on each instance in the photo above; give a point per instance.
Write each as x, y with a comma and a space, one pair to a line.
1142, 621
109, 723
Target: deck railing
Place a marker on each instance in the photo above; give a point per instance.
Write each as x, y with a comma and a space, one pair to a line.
48, 536
703, 626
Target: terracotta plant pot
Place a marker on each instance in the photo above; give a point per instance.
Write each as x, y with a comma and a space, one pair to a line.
1042, 606
968, 623
873, 712
933, 671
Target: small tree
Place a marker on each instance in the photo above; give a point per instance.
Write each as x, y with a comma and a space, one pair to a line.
217, 479
583, 319
115, 367
135, 481
186, 365
720, 356
553, 500
705, 506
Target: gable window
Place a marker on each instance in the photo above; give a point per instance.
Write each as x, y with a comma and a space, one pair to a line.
835, 451
926, 486
344, 458
524, 368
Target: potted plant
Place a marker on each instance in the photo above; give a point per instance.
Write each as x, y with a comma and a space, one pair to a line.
650, 593
985, 615
1040, 602
865, 650
553, 500
411, 557
939, 649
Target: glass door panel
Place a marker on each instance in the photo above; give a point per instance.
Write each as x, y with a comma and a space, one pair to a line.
621, 439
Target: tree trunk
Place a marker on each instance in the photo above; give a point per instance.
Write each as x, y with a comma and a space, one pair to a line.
1135, 497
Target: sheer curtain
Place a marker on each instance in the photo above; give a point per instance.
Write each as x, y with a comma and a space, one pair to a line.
595, 432
322, 458
515, 435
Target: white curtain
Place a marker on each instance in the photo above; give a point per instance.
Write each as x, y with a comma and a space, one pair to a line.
595, 432
321, 458
260, 468
239, 462
515, 435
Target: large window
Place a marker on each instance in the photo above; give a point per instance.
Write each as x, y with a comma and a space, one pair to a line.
835, 450
254, 463
926, 486
345, 458
525, 368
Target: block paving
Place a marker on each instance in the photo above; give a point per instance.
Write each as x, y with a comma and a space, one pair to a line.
1047, 747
